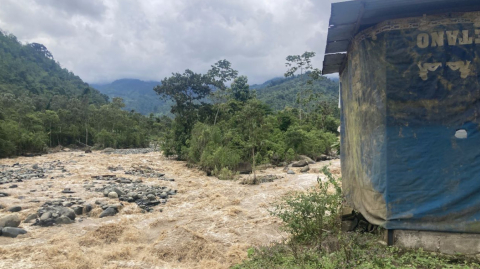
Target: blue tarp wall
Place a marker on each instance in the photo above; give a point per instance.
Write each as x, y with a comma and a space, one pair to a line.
409, 85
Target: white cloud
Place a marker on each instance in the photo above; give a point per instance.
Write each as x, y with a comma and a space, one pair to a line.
104, 40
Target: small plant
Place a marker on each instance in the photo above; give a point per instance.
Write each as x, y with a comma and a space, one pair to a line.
225, 174
290, 155
336, 147
312, 219
310, 216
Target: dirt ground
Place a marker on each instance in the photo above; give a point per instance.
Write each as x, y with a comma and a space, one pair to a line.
209, 224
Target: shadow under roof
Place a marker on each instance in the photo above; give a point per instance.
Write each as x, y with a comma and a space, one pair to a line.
349, 18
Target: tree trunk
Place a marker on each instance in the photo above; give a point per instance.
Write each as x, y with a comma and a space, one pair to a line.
50, 134
253, 165
216, 115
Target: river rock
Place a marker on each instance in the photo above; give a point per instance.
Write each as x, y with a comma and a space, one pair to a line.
301, 163
305, 169
108, 212
118, 191
306, 158
46, 216
31, 218
12, 232
78, 210
88, 208
15, 209
112, 195
64, 220
163, 195
67, 212
12, 220
290, 172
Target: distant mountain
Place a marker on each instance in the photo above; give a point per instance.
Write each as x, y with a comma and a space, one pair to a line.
281, 92
138, 95
278, 92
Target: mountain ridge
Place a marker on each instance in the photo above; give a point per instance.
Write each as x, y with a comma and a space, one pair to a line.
278, 92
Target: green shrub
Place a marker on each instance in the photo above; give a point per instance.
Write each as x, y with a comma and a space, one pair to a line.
290, 155
225, 174
307, 215
221, 157
203, 135
312, 220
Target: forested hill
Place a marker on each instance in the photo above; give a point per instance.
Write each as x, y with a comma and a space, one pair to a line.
282, 92
137, 95
30, 70
278, 93
44, 105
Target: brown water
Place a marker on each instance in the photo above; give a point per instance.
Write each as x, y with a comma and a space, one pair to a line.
209, 224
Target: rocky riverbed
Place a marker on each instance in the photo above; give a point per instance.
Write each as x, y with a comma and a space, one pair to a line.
134, 209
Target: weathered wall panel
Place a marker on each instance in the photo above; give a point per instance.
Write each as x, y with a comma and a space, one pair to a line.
409, 85
363, 130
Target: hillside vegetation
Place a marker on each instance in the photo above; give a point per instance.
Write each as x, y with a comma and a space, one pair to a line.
43, 104
280, 93
237, 128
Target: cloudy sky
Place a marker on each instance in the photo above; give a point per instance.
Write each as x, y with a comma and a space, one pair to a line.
105, 40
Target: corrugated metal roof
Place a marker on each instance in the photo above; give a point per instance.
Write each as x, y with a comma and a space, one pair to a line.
348, 18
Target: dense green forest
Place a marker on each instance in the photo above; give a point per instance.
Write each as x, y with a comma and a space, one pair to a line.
43, 105
137, 95
236, 127
281, 93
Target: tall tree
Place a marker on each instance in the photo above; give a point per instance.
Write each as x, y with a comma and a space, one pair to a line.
189, 91
302, 63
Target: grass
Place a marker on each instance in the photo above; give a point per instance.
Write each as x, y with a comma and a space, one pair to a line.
354, 251
315, 240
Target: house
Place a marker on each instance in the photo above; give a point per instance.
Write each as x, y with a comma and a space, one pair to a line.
410, 111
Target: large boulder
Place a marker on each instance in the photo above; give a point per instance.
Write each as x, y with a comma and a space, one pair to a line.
31, 218
64, 220
301, 163
108, 212
306, 158
324, 157
67, 212
10, 221
305, 169
12, 232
